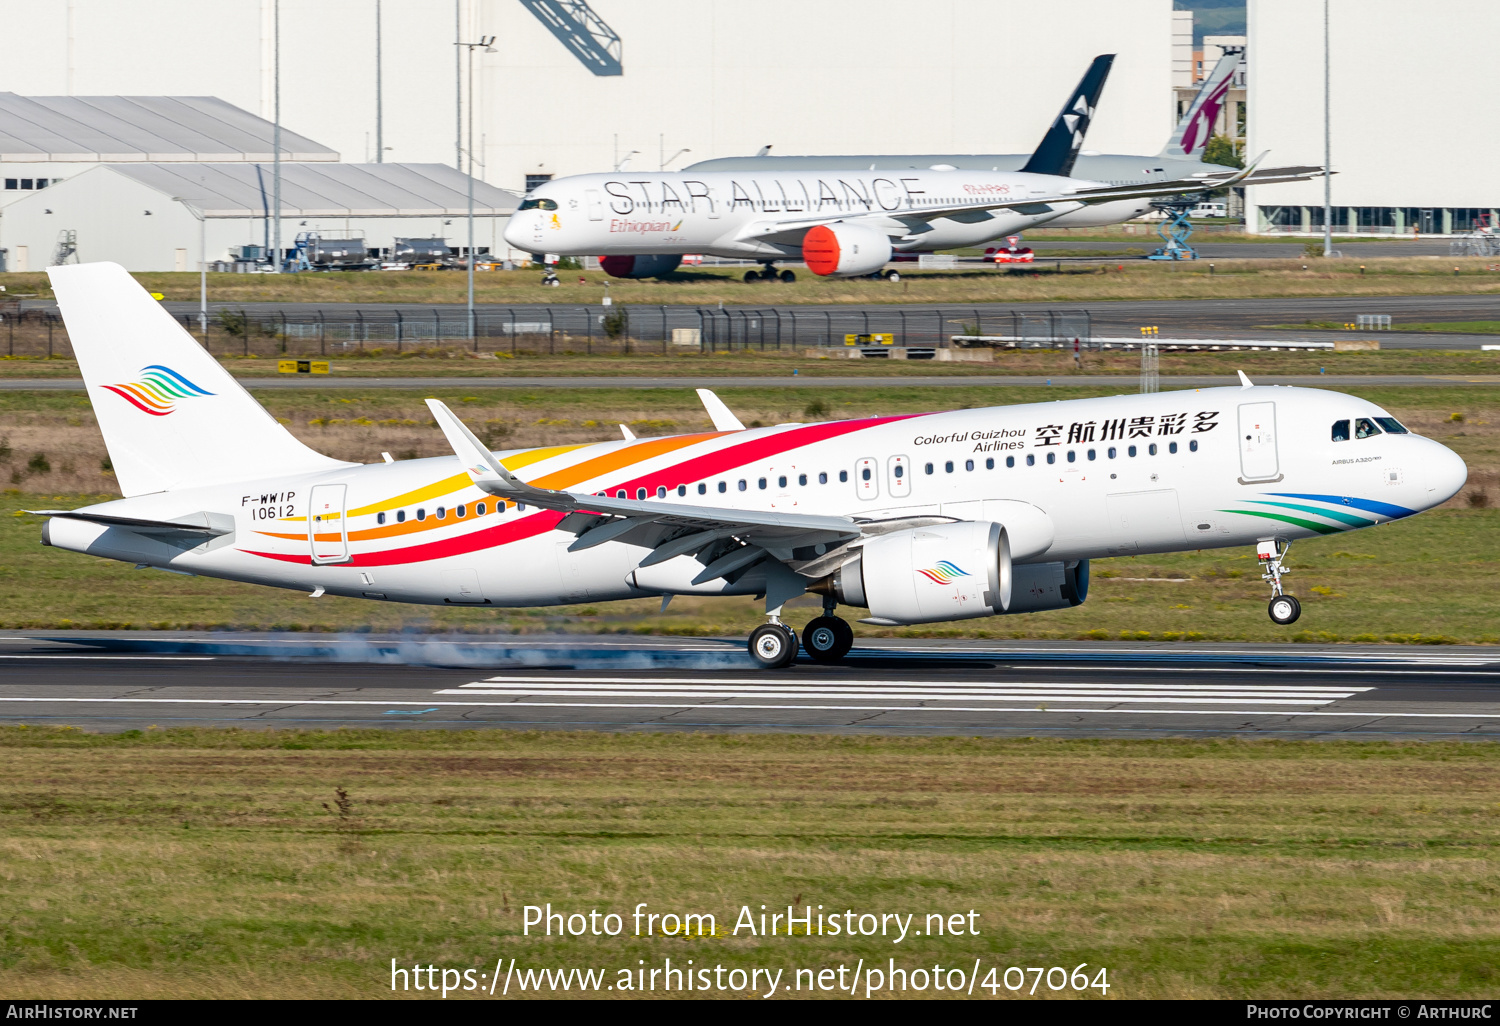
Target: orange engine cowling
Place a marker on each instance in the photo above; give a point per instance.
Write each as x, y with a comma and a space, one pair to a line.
844, 250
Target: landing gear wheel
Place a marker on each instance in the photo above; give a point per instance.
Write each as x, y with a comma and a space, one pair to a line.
1284, 609
827, 639
788, 277
751, 276
773, 646
892, 276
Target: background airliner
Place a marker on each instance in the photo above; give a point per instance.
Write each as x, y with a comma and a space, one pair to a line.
1061, 151
916, 518
840, 222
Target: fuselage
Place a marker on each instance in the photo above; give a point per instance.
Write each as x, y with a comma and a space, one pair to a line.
1129, 474
1108, 168
726, 213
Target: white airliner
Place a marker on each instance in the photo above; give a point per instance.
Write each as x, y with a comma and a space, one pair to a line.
840, 222
917, 518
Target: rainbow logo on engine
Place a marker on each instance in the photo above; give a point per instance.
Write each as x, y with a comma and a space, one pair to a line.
944, 573
158, 390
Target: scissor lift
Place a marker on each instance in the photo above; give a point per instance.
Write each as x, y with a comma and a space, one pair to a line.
1175, 231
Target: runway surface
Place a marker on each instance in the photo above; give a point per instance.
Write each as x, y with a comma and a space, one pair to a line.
131, 680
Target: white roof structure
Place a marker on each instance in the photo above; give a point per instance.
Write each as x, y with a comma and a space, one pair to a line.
322, 190
118, 129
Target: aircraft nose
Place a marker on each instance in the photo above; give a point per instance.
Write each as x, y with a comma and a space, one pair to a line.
1446, 473
518, 229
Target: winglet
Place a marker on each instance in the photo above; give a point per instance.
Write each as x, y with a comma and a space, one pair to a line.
718, 412
629, 434
1244, 381
489, 473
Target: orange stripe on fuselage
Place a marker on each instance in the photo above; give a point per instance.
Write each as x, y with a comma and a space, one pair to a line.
564, 478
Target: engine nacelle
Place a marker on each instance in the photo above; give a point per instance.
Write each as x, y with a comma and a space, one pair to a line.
844, 250
642, 265
944, 572
1038, 586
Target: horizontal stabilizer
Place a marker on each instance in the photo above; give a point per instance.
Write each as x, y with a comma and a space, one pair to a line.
211, 525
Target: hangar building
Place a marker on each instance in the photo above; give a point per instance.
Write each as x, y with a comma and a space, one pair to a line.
709, 78
146, 216
1413, 150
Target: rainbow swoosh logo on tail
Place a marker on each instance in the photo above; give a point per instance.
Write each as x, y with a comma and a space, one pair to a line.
158, 390
944, 573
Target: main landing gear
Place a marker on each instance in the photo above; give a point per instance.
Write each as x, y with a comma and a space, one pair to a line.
826, 638
1284, 609
769, 274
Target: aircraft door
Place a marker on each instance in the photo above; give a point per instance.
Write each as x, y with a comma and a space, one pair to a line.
327, 531
898, 469
595, 204
1258, 456
866, 484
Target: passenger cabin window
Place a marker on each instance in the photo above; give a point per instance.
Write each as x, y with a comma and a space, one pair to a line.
1052, 457
823, 477
380, 518
479, 508
1341, 431
1364, 427
400, 516
843, 477
1391, 425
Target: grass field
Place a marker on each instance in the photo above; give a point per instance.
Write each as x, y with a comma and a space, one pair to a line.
198, 863
1426, 579
1128, 279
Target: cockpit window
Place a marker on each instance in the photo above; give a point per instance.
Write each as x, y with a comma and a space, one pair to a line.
1364, 427
538, 204
1392, 425
1341, 431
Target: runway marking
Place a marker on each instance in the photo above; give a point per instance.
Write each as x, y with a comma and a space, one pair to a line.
153, 658
718, 688
1296, 713
751, 683
1222, 669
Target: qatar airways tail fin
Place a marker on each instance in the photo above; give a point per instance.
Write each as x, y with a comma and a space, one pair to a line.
1197, 124
171, 416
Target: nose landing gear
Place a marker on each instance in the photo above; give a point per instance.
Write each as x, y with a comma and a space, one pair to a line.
1283, 609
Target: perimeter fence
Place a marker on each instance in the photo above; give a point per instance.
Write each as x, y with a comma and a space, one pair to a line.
356, 332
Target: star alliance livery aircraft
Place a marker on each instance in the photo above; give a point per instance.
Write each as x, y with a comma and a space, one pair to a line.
916, 518
842, 222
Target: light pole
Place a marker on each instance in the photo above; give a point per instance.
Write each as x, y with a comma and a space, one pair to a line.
202, 265
379, 97
276, 134
673, 157
485, 44
1327, 145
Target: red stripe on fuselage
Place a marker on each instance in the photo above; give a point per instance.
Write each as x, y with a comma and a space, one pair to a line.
692, 470
459, 545
736, 456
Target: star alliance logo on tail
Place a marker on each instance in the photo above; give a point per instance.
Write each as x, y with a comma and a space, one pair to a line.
158, 390
944, 573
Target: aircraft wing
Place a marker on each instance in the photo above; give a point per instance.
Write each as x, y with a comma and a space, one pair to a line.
1096, 194
670, 529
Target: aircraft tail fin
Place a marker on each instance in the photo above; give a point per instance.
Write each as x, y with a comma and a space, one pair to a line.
1191, 136
1060, 146
171, 416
